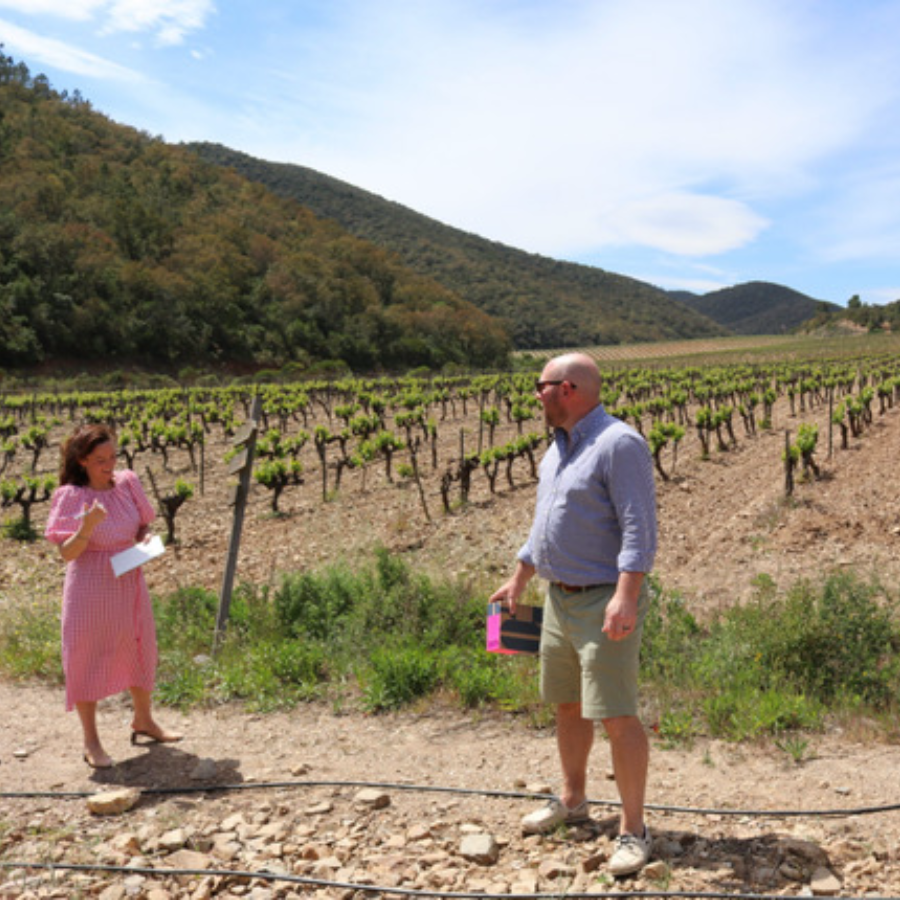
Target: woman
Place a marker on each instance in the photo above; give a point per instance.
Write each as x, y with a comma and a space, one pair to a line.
108, 633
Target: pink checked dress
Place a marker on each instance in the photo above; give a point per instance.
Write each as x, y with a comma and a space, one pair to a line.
108, 634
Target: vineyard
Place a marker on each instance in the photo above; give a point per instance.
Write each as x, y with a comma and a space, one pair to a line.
444, 468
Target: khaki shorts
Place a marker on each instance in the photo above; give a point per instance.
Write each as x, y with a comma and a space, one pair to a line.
579, 663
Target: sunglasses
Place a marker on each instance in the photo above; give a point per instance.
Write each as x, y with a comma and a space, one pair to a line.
540, 385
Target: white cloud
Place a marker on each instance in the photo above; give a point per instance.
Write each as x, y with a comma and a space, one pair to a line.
671, 124
171, 20
63, 56
75, 10
684, 224
883, 296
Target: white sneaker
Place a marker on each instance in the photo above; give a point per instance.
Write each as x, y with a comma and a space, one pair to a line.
631, 854
554, 814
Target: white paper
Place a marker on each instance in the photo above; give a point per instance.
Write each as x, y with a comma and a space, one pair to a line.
137, 555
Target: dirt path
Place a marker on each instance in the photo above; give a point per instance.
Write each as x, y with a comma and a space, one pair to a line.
327, 755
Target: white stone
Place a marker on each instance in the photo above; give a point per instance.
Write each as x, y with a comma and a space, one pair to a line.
320, 808
232, 823
480, 848
113, 803
656, 870
824, 883
373, 798
173, 840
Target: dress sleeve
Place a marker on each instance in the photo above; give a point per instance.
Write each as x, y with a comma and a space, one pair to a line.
64, 508
145, 509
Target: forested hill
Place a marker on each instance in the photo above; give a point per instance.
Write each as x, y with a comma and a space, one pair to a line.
546, 303
115, 246
757, 307
857, 315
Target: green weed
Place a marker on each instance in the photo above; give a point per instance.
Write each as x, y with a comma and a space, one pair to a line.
678, 728
382, 636
30, 639
779, 663
19, 529
396, 676
796, 747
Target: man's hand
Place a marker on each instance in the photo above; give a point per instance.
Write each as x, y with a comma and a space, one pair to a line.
509, 593
621, 612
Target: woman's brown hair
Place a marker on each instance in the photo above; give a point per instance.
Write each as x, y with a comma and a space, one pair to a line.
76, 447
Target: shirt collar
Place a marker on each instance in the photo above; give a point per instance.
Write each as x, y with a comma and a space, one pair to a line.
584, 426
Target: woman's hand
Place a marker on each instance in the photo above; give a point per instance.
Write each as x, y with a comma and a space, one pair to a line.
92, 517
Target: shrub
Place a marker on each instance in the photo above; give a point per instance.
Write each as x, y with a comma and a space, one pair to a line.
741, 711
313, 606
186, 619
181, 680
836, 640
777, 663
397, 675
839, 641
384, 601
30, 639
20, 529
671, 639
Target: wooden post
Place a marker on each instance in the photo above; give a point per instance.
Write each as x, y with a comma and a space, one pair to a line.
830, 421
241, 465
788, 465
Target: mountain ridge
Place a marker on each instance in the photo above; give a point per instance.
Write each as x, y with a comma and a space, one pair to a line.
545, 302
756, 307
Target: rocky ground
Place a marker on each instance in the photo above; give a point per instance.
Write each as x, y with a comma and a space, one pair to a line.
723, 523
425, 801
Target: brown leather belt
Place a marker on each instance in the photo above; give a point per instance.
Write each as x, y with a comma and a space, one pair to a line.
575, 588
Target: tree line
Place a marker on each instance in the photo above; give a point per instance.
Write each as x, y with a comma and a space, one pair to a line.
117, 246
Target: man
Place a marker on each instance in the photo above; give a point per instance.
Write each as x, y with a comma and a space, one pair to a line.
594, 539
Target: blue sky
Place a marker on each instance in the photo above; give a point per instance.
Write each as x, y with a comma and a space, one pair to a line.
689, 143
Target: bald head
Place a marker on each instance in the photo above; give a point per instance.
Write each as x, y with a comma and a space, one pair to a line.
581, 370
572, 389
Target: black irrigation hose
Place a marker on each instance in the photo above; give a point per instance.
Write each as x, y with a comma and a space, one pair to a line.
403, 892
519, 795
414, 892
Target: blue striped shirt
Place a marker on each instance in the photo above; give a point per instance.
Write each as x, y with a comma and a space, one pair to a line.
596, 504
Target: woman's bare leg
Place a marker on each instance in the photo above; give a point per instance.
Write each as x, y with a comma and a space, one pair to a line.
143, 720
94, 753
